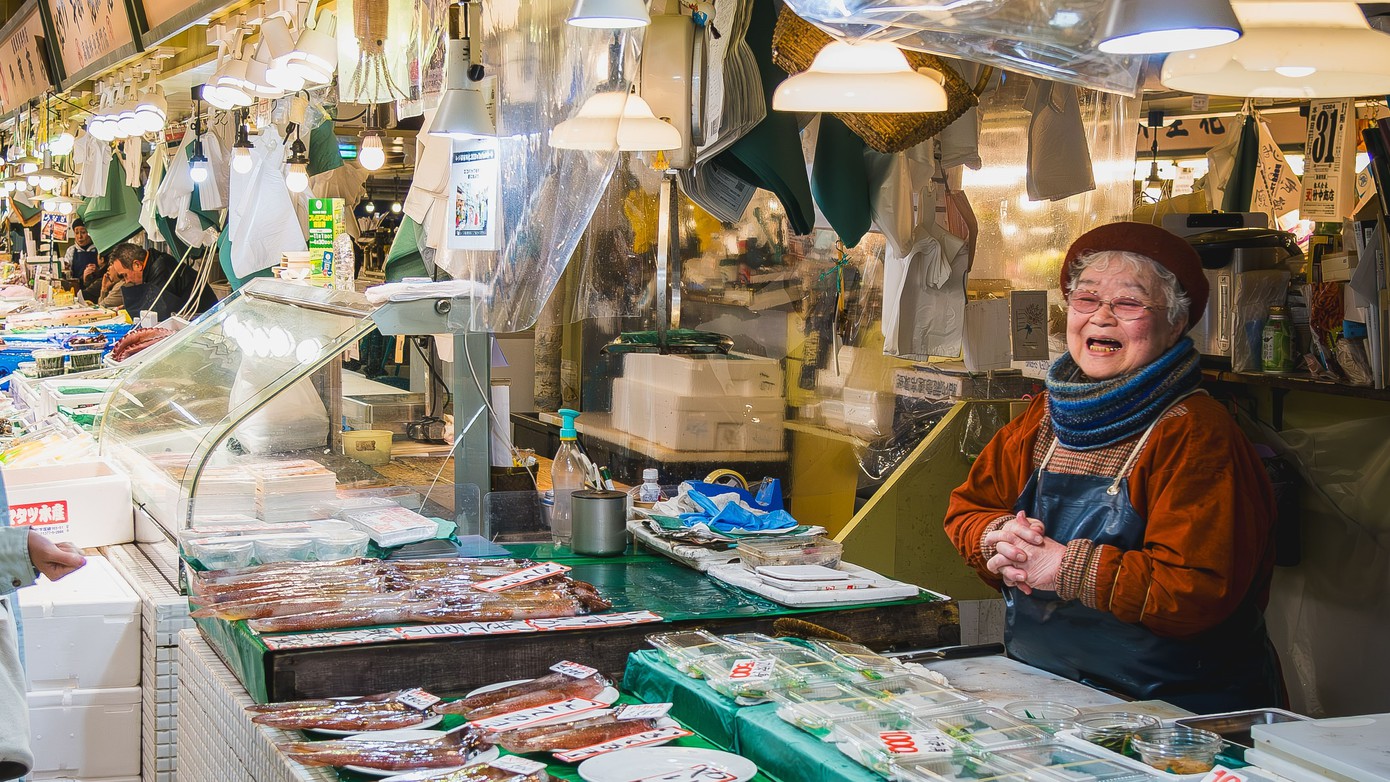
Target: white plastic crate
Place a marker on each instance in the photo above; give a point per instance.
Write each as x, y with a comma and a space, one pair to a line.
53, 391
87, 503
698, 423
733, 375
83, 630
85, 733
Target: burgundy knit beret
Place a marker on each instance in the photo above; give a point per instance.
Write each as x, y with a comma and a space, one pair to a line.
1166, 248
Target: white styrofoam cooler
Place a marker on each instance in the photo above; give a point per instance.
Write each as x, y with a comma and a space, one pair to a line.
87, 503
85, 733
698, 422
734, 375
82, 630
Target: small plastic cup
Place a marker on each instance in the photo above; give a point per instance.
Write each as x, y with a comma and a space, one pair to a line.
84, 360
1113, 730
285, 548
1048, 715
222, 554
1179, 749
340, 545
48, 363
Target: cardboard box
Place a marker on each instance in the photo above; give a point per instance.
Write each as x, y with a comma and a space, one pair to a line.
83, 630
86, 503
85, 733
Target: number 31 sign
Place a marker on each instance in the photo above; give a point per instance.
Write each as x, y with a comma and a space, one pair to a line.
1329, 161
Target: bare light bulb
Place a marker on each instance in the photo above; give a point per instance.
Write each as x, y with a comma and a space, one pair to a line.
395, 207
64, 208
369, 207
241, 160
298, 178
371, 156
198, 171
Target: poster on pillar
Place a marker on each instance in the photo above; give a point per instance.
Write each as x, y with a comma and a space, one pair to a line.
1329, 161
473, 195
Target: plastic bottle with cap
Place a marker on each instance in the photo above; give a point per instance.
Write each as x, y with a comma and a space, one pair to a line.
650, 490
566, 476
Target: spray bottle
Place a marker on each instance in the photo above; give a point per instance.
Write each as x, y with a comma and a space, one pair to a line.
566, 476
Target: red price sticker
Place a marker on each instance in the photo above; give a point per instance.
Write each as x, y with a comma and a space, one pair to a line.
574, 669
749, 669
418, 699
1223, 774
916, 742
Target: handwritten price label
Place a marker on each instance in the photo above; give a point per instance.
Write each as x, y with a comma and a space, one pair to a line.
538, 714
701, 773
750, 670
517, 765
573, 669
418, 699
657, 736
916, 742
642, 711
1223, 774
525, 576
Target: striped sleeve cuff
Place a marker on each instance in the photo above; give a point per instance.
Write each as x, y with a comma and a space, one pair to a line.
986, 550
1076, 571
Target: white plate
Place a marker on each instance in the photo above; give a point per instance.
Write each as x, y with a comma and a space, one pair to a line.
608, 695
628, 765
801, 573
429, 721
411, 734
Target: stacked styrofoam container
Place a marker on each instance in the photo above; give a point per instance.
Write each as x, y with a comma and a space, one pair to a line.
163, 614
701, 403
82, 649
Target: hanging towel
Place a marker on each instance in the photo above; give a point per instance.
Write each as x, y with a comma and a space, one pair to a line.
95, 159
1059, 161
840, 180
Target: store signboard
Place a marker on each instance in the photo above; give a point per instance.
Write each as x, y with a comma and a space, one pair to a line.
23, 74
1329, 161
157, 21
89, 36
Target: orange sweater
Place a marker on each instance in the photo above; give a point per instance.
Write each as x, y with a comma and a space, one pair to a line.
1198, 482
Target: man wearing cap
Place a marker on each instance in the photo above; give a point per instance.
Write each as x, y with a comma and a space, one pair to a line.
1125, 516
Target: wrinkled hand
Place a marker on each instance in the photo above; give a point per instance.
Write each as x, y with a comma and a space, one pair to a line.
1036, 570
54, 560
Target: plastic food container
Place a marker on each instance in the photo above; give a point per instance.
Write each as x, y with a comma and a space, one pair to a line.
333, 546
960, 767
1048, 715
917, 696
1235, 726
757, 641
815, 550
683, 649
285, 548
1178, 750
986, 729
1113, 729
83, 360
744, 674
221, 553
818, 708
1069, 763
859, 659
369, 446
48, 362
882, 742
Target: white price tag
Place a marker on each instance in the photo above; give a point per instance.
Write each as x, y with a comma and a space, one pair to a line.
527, 717
517, 765
627, 742
750, 670
574, 669
418, 699
1223, 774
642, 711
700, 773
916, 742
525, 576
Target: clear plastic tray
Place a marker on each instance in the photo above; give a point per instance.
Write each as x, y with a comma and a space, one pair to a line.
682, 649
728, 674
1065, 763
880, 741
757, 641
817, 708
814, 550
986, 729
859, 659
960, 767
918, 696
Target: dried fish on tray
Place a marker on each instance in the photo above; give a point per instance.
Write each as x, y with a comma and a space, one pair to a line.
219, 586
571, 735
446, 750
368, 713
504, 769
524, 695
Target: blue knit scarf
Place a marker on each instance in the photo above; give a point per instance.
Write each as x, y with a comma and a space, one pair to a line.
1087, 414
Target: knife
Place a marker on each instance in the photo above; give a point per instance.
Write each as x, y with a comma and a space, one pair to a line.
948, 653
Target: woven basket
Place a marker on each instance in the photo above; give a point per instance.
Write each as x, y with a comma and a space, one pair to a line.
795, 43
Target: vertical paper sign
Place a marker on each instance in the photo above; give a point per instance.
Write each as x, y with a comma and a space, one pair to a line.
1329, 160
473, 195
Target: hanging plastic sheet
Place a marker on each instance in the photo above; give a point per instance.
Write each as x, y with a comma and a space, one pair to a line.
545, 69
1040, 39
261, 219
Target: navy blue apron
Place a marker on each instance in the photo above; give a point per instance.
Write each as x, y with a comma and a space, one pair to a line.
1229, 667
81, 259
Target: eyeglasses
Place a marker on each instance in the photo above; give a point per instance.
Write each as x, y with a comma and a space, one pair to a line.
1124, 307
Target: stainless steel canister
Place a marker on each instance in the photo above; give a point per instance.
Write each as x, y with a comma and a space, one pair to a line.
600, 522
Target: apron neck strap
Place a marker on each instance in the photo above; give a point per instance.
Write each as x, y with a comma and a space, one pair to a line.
1134, 455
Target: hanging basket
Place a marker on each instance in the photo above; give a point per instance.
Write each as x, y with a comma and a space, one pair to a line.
795, 43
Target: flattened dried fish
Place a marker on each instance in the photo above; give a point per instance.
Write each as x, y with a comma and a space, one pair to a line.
451, 749
557, 738
537, 692
375, 712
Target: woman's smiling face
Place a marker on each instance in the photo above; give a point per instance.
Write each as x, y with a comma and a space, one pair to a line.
1105, 346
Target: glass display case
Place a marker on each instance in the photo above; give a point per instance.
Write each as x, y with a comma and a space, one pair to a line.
254, 389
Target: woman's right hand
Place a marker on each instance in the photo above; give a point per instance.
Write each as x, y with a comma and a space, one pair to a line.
1011, 542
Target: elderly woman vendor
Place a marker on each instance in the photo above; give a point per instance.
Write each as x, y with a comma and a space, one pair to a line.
1125, 515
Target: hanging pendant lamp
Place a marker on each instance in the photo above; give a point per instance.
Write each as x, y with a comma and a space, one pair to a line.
873, 76
1155, 26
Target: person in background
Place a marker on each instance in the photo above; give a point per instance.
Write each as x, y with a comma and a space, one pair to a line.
81, 254
1125, 515
157, 281
102, 286
23, 554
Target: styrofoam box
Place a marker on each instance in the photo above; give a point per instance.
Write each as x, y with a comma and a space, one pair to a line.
85, 733
732, 375
82, 630
87, 503
700, 422
868, 413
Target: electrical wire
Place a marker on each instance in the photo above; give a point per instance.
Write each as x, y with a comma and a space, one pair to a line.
432, 372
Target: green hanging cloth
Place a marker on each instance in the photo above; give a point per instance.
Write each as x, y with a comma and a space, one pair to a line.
113, 217
224, 257
25, 213
404, 259
1240, 188
840, 180
323, 150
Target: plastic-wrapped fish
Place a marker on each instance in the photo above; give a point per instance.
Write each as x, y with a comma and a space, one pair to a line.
537, 692
486, 772
373, 712
455, 748
568, 736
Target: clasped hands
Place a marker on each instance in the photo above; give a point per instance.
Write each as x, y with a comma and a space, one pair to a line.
1024, 557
